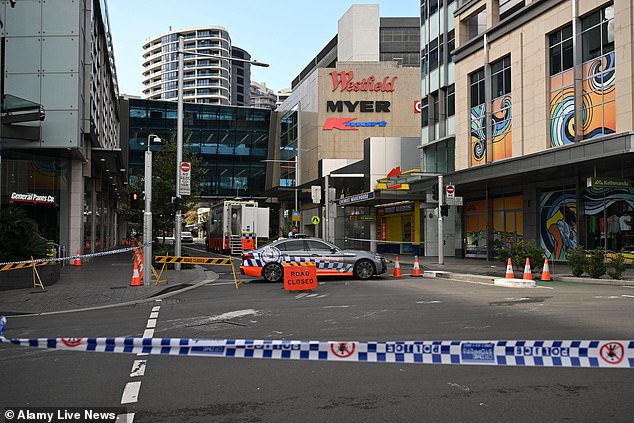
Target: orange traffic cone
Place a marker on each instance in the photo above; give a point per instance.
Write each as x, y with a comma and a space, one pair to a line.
509, 270
528, 274
136, 279
546, 271
397, 269
416, 271
77, 261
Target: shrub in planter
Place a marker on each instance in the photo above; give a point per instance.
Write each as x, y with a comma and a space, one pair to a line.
578, 261
520, 251
616, 267
596, 264
19, 239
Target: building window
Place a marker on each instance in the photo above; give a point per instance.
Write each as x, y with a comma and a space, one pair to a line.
451, 100
477, 118
501, 109
508, 7
424, 112
288, 148
477, 24
562, 101
598, 70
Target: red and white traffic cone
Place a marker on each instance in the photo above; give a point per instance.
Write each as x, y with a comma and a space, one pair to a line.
136, 279
528, 273
77, 261
546, 271
397, 269
416, 271
509, 270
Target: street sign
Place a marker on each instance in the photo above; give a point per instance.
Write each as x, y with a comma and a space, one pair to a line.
185, 178
454, 201
295, 216
599, 182
451, 191
300, 276
315, 220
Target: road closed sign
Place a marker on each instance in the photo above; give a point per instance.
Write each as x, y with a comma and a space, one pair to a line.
298, 278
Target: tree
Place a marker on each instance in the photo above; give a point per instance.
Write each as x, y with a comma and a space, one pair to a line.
19, 239
164, 185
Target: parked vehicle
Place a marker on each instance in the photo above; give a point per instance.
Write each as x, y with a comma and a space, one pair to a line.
187, 237
235, 226
330, 260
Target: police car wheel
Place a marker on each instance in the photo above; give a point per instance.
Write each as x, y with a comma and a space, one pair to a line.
364, 269
272, 272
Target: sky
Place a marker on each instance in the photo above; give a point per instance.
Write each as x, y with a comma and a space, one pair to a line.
286, 34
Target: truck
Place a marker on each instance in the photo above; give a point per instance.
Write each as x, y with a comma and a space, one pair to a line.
235, 226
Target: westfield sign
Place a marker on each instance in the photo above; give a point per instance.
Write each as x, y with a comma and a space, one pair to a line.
344, 81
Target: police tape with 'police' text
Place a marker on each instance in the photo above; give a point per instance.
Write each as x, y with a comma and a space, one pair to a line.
589, 354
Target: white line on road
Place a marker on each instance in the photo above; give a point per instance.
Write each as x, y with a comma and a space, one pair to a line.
154, 315
156, 308
151, 323
341, 306
628, 296
131, 393
138, 368
303, 294
148, 333
125, 418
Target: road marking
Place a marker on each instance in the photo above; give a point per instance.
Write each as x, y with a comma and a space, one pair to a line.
131, 393
148, 333
341, 306
154, 315
303, 294
628, 296
138, 368
428, 302
156, 308
311, 295
627, 286
151, 323
125, 418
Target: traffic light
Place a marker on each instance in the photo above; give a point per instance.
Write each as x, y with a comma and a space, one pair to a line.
134, 200
444, 209
434, 192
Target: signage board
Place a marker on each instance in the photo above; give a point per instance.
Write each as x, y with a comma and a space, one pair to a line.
29, 197
185, 178
298, 278
418, 105
295, 216
355, 198
315, 220
454, 201
315, 193
451, 191
599, 182
400, 208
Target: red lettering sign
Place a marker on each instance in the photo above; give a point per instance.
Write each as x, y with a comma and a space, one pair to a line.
299, 278
345, 82
339, 123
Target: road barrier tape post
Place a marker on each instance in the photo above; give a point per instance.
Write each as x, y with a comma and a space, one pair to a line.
615, 354
208, 261
36, 273
158, 276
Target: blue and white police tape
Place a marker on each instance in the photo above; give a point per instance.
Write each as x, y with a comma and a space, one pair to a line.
80, 256
599, 354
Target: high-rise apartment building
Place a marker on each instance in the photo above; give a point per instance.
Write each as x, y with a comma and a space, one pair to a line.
210, 80
262, 96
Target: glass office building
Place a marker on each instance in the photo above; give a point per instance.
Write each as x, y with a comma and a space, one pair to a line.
230, 141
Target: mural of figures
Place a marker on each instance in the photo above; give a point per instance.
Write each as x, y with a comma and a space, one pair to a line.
599, 110
502, 125
558, 223
562, 108
478, 135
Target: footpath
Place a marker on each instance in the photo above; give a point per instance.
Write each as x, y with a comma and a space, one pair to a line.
99, 281
481, 270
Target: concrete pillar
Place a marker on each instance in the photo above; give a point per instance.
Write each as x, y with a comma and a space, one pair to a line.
76, 208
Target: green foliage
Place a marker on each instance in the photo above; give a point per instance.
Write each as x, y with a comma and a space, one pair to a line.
518, 253
616, 266
596, 264
578, 261
19, 239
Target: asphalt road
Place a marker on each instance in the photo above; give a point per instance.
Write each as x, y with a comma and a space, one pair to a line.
196, 389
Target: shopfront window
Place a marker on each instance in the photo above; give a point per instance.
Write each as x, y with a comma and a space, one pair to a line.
476, 228
609, 218
508, 222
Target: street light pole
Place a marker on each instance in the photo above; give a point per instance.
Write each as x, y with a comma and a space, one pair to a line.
179, 150
147, 214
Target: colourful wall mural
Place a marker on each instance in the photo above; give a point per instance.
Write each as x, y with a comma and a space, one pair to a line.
599, 107
478, 135
501, 113
558, 223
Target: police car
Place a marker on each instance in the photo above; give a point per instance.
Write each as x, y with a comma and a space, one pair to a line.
267, 262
